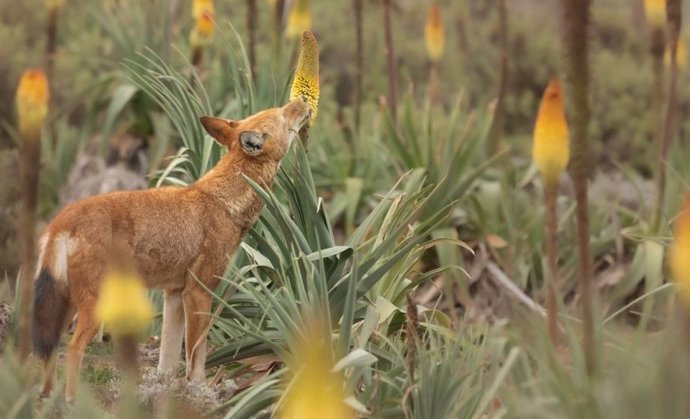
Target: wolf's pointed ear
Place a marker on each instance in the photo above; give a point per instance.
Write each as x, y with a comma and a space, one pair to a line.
222, 130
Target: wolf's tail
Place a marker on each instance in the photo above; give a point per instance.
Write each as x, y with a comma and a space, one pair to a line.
50, 309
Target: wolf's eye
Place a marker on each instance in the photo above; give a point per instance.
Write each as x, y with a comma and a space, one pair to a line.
265, 136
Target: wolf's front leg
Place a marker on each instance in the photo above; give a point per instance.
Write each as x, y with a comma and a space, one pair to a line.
172, 331
197, 305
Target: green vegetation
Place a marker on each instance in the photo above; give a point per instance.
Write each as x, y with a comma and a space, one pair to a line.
408, 250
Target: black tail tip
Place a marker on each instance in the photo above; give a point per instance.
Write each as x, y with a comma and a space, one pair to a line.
50, 309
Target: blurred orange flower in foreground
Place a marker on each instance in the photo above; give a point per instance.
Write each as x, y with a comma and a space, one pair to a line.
32, 101
550, 148
679, 256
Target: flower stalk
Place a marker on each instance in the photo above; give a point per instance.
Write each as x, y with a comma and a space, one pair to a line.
32, 107
359, 60
390, 60
674, 17
251, 32
497, 124
576, 45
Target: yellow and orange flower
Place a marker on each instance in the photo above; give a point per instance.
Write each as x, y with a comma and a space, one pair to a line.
679, 256
550, 149
306, 82
203, 31
32, 102
202, 7
434, 33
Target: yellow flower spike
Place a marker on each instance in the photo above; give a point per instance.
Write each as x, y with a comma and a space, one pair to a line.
434, 33
32, 102
550, 149
679, 255
299, 20
201, 7
315, 391
655, 10
203, 31
123, 305
306, 82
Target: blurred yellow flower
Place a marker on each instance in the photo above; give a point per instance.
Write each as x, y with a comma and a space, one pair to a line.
203, 31
655, 10
306, 82
679, 256
434, 33
123, 305
32, 101
201, 7
550, 148
315, 391
299, 19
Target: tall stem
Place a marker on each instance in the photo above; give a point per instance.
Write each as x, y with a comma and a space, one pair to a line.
251, 29
30, 157
499, 114
674, 15
550, 196
576, 23
278, 32
390, 59
433, 82
657, 51
359, 61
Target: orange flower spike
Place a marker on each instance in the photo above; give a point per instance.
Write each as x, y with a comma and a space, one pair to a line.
299, 20
32, 102
203, 31
434, 33
550, 149
201, 7
655, 10
679, 255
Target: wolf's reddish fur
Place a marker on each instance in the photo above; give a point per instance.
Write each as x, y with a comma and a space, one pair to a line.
173, 235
